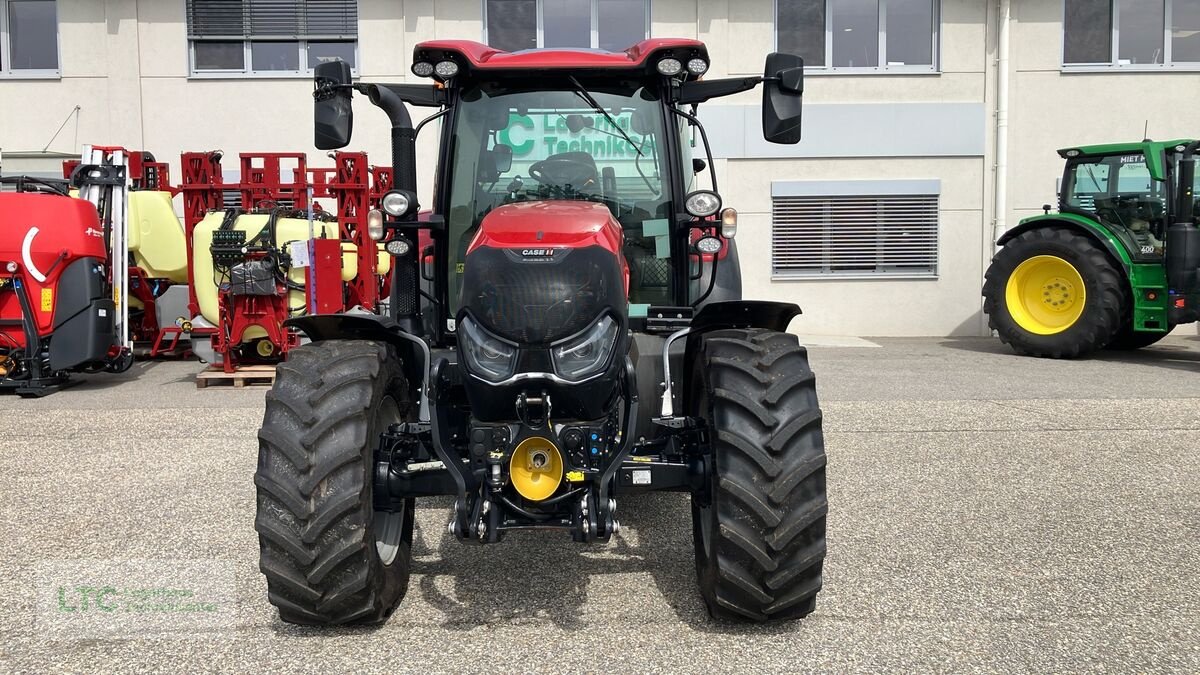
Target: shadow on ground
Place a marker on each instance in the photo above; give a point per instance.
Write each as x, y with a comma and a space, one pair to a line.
1172, 355
544, 576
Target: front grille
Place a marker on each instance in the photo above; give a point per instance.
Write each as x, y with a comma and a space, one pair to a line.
538, 301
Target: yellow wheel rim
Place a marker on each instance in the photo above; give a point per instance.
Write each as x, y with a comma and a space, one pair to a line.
1045, 295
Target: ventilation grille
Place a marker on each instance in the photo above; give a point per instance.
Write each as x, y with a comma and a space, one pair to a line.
272, 18
855, 236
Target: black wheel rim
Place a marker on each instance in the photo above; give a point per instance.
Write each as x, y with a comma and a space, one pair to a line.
389, 525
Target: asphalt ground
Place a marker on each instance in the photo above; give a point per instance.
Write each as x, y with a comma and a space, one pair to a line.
987, 512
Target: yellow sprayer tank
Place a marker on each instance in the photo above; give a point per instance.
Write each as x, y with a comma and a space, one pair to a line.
287, 230
156, 241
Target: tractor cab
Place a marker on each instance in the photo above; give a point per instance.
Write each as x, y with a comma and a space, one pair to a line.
517, 145
616, 130
1129, 188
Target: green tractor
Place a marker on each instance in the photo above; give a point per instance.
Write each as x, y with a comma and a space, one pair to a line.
1117, 267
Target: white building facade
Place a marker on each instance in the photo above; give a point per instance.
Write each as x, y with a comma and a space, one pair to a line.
881, 222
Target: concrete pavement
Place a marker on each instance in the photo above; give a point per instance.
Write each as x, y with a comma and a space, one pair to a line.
987, 512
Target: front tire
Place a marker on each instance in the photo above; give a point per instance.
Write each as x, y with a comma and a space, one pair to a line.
328, 556
1052, 292
759, 534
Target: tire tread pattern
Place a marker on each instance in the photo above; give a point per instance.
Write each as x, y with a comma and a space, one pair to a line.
314, 518
769, 496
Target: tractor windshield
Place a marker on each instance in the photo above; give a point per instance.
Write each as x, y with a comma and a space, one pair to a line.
513, 145
1119, 191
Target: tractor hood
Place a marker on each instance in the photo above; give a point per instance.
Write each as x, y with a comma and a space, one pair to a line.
540, 271
544, 308
550, 225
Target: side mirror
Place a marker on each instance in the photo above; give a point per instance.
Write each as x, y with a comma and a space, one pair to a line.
333, 116
783, 87
502, 155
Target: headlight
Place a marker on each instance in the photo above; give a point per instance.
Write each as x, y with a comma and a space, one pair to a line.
697, 66
669, 66
422, 69
706, 245
446, 69
396, 202
702, 203
485, 355
586, 354
398, 247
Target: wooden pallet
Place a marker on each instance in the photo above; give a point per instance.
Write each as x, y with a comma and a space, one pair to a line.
256, 374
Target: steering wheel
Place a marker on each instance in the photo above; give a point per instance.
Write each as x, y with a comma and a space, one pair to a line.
563, 171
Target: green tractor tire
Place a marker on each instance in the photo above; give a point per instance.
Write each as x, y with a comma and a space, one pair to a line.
1054, 293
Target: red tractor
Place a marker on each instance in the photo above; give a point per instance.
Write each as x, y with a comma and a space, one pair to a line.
565, 327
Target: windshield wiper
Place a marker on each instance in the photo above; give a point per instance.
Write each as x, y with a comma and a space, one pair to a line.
1093, 177
587, 98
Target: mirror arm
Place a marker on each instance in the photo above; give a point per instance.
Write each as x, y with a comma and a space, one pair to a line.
699, 91
712, 169
420, 95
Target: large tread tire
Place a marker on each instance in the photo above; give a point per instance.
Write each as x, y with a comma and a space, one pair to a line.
316, 521
1103, 281
760, 538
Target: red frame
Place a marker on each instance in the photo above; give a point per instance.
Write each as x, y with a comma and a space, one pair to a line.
352, 183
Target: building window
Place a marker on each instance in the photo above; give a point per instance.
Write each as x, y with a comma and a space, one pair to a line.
860, 35
270, 37
28, 38
611, 25
854, 229
1134, 34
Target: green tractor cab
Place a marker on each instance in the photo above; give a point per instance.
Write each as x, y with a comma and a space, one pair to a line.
1117, 267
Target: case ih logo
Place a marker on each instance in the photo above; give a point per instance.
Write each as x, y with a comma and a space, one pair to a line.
94, 233
538, 252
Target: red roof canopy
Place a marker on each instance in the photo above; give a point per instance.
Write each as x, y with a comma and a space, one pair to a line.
484, 57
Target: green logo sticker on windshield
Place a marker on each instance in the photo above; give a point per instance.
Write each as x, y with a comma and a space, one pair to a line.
538, 136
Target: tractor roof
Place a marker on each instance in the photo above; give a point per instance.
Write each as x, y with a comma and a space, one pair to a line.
1147, 147
476, 56
1154, 151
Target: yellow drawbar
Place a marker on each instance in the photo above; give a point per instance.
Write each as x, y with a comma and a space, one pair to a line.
1045, 295
536, 468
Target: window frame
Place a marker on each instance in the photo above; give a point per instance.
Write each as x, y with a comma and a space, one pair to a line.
934, 68
594, 20
7, 72
1115, 65
247, 70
